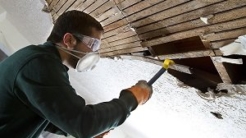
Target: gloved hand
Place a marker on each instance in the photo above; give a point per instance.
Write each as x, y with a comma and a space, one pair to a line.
142, 91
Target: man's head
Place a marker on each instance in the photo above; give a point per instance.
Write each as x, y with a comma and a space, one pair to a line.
74, 22
71, 30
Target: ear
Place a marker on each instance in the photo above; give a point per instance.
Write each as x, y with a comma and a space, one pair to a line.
69, 41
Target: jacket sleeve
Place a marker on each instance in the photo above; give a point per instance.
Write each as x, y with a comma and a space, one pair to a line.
45, 88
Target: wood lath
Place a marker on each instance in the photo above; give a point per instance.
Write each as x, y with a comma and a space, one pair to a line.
139, 26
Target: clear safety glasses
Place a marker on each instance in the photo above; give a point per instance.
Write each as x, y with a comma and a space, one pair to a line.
92, 43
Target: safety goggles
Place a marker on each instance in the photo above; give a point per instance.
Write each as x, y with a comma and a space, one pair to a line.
92, 43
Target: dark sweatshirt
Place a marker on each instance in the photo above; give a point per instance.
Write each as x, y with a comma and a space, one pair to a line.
35, 92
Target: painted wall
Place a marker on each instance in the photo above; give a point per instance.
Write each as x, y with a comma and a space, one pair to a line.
10, 37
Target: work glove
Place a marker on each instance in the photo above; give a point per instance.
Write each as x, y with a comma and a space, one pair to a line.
142, 91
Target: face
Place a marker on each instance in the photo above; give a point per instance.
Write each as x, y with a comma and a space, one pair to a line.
80, 46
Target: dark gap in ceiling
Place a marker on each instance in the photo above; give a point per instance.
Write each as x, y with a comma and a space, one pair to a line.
235, 71
204, 74
179, 46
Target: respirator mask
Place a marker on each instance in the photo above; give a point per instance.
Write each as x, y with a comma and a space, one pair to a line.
90, 59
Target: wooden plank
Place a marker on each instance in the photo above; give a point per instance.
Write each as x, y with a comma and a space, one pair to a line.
95, 5
120, 36
218, 52
113, 18
65, 7
227, 34
108, 14
75, 5
211, 10
118, 1
133, 9
125, 41
99, 11
187, 7
123, 46
146, 59
49, 1
190, 25
155, 9
85, 5
221, 43
127, 3
125, 51
145, 4
59, 5
222, 71
206, 32
116, 25
53, 3
119, 30
193, 54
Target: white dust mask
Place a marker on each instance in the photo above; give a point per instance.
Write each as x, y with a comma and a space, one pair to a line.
87, 62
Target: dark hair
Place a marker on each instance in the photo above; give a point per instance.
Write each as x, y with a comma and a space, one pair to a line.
73, 22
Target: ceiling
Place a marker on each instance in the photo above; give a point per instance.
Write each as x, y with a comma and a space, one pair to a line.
175, 110
188, 31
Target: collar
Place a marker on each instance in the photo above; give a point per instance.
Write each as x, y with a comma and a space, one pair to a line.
50, 46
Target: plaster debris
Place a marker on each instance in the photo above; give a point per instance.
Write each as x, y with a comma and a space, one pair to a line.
206, 19
238, 47
171, 109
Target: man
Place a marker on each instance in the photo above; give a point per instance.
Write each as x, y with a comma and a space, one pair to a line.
35, 92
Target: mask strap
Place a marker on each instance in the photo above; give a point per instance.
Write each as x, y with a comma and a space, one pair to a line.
67, 51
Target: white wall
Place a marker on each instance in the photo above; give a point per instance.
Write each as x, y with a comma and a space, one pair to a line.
10, 38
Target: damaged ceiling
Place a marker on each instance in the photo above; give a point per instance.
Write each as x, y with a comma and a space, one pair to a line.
188, 31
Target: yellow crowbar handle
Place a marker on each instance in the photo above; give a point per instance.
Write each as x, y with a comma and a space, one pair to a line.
166, 64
